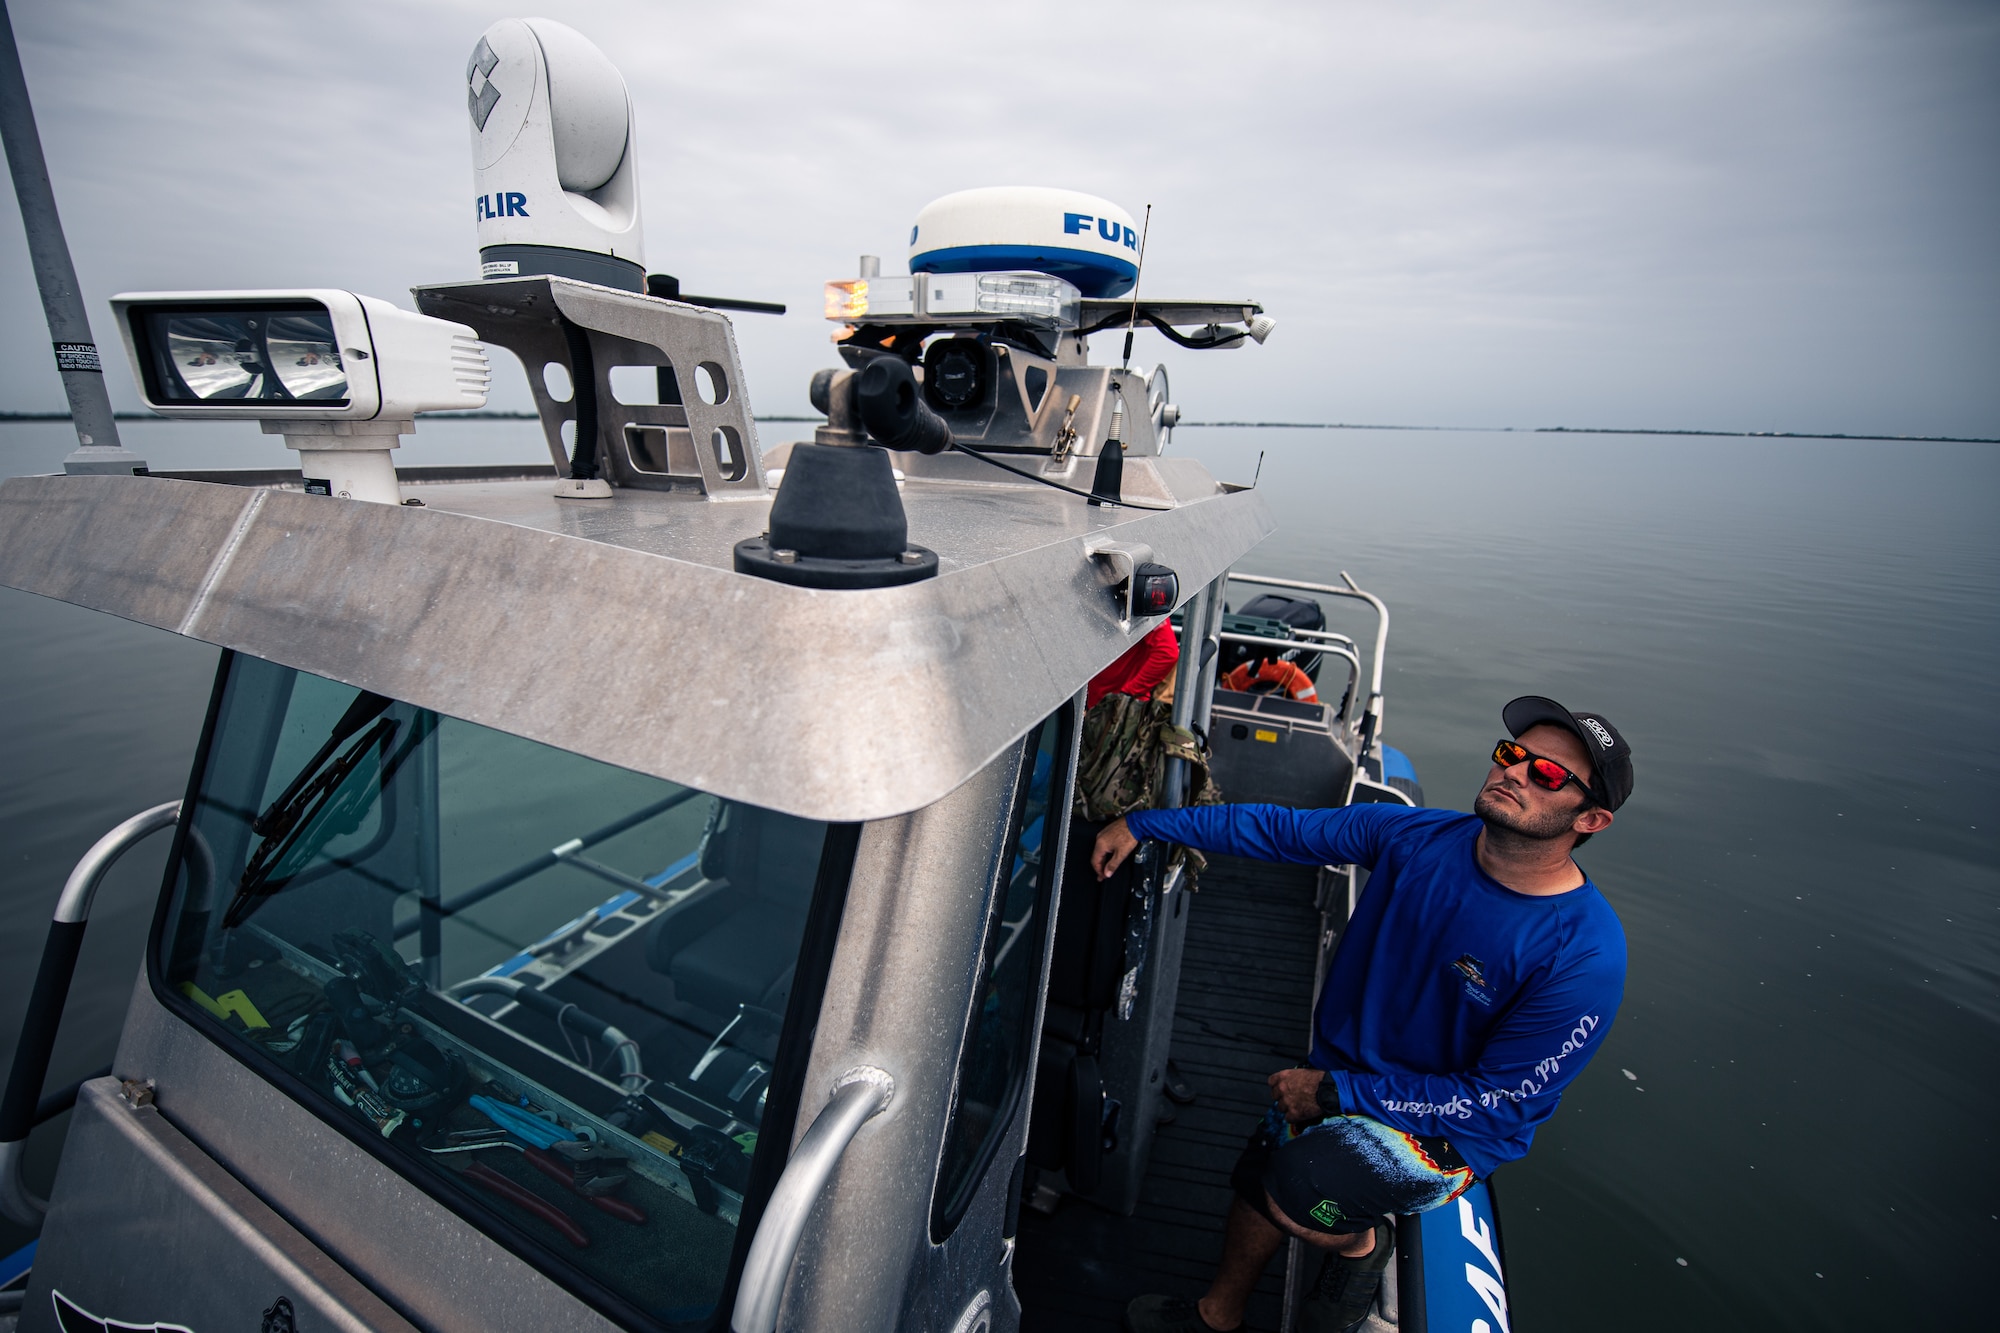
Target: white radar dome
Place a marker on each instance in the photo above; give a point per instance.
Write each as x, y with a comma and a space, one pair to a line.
1091, 242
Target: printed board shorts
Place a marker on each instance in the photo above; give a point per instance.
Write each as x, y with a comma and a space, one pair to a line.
1344, 1174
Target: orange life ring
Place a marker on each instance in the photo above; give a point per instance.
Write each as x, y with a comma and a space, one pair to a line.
1286, 676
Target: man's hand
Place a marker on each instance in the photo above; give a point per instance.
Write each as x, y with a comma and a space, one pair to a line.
1113, 846
1296, 1091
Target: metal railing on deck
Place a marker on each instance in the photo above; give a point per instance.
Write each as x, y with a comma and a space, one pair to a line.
1328, 649
1371, 717
24, 1107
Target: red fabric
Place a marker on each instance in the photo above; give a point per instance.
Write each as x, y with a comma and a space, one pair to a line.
1142, 667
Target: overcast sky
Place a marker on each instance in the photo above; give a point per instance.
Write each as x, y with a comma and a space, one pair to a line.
1779, 214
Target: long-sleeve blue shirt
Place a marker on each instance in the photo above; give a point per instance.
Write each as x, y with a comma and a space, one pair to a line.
1454, 1005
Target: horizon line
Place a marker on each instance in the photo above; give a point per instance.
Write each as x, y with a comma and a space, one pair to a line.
1254, 425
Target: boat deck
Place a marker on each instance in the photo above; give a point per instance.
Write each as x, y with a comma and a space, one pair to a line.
1244, 1010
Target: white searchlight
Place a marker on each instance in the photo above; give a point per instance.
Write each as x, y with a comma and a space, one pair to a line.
554, 164
340, 376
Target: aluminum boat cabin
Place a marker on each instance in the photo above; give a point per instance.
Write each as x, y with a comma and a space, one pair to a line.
632, 893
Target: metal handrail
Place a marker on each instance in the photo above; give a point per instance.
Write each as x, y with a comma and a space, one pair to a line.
1314, 636
1323, 649
46, 1002
1187, 677
80, 889
1211, 656
858, 1095
1321, 636
1293, 645
1371, 722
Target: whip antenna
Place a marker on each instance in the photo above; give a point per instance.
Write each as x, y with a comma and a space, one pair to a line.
1133, 318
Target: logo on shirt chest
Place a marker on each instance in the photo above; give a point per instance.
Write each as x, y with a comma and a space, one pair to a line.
1471, 974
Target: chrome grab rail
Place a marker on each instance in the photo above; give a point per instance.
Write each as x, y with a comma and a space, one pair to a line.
858, 1095
1295, 645
80, 889
1321, 636
45, 1004
1371, 721
1314, 637
1307, 645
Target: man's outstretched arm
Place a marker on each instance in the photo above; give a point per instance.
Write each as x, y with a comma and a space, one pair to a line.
1345, 836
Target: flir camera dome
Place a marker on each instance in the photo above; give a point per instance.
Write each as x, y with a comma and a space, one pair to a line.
554, 166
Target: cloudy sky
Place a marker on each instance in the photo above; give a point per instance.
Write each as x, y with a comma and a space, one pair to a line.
1671, 213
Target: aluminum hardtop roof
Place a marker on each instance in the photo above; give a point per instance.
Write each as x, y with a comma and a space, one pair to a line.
618, 630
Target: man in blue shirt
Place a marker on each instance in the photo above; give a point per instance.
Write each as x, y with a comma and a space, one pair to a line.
1478, 975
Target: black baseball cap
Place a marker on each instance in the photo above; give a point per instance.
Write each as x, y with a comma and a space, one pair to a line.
1610, 756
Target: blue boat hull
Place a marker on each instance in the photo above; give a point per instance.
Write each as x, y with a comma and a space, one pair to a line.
1449, 1273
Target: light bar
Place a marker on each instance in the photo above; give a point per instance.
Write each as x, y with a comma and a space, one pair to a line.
955, 298
870, 298
1034, 297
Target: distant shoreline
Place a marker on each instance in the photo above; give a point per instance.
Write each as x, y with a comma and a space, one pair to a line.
428, 416
1258, 425
1596, 430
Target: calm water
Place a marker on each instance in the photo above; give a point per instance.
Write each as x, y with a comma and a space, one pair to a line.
1798, 639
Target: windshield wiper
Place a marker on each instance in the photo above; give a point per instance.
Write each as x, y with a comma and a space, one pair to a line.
280, 815
317, 800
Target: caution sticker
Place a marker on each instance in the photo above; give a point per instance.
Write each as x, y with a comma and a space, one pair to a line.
78, 356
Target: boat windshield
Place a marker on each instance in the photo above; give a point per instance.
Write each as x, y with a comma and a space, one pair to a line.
551, 992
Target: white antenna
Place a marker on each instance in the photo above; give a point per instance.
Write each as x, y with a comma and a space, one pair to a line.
1145, 229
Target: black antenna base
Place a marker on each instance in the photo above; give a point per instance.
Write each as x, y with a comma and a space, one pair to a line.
838, 522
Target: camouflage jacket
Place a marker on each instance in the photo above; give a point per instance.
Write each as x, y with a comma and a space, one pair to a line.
1122, 765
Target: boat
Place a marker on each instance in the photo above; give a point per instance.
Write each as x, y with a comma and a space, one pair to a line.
631, 893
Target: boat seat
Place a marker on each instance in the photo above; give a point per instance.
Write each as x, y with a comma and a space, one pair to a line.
1277, 750
747, 959
739, 944
1273, 704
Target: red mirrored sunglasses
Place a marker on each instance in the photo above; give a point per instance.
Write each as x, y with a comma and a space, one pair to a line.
1544, 773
